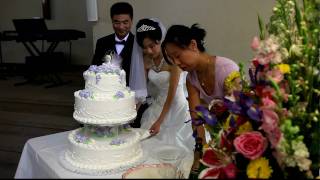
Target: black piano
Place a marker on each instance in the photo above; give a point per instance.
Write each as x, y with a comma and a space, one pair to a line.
42, 61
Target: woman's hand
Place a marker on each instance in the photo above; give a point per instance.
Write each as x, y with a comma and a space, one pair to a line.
155, 128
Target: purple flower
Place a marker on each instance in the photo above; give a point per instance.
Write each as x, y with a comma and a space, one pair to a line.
81, 138
85, 93
126, 126
103, 131
254, 113
243, 106
117, 142
232, 122
98, 78
100, 69
110, 68
93, 68
204, 116
232, 106
118, 95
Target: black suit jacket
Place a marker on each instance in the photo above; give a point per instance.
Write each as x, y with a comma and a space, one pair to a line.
106, 44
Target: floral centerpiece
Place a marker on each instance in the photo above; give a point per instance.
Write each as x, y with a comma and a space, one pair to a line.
270, 128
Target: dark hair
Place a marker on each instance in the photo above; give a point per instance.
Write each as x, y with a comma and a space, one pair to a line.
143, 31
181, 36
121, 8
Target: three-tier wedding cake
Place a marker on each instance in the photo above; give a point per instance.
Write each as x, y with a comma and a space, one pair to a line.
106, 143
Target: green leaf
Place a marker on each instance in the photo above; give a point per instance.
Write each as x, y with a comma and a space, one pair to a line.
298, 17
261, 28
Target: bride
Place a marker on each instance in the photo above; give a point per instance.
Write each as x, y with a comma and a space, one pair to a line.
168, 112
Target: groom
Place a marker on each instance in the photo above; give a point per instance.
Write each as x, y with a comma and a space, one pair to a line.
121, 42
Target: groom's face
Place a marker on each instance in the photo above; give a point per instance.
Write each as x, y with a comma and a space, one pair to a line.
121, 24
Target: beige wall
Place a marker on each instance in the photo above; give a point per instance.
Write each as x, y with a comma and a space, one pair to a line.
230, 24
65, 14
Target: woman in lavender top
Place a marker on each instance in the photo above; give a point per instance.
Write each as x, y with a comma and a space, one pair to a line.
210, 77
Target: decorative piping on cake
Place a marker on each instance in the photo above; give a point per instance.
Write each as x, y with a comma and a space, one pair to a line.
115, 95
106, 118
104, 169
132, 142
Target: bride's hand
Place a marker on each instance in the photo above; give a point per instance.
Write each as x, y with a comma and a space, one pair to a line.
155, 128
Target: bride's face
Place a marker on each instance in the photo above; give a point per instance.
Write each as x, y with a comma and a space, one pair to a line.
151, 48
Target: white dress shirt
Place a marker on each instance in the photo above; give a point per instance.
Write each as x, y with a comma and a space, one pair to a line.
119, 47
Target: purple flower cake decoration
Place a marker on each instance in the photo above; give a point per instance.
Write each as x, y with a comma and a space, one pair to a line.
85, 94
119, 95
93, 68
103, 131
81, 138
98, 78
117, 141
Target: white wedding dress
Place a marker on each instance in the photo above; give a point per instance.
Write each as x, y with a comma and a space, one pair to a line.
173, 130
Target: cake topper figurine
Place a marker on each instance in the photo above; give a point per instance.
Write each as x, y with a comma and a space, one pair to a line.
113, 59
108, 57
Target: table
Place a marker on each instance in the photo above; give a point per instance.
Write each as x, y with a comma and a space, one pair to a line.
40, 158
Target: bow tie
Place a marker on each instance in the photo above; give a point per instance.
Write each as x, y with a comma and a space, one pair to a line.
121, 42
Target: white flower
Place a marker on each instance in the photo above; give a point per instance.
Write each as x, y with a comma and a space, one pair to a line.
277, 59
303, 163
300, 148
284, 53
290, 161
295, 50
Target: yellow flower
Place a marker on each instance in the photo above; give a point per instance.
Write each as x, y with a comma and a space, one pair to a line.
229, 81
205, 146
227, 121
246, 127
284, 68
259, 168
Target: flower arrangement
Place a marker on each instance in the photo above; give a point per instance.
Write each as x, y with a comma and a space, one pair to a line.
270, 128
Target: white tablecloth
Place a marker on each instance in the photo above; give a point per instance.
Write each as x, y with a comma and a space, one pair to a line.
40, 158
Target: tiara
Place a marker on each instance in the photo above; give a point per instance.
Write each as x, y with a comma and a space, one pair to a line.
144, 27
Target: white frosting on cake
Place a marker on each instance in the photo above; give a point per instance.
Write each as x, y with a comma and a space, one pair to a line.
105, 109
104, 83
105, 100
104, 144
103, 153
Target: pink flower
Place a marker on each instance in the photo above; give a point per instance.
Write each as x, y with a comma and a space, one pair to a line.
213, 158
264, 59
284, 95
270, 120
255, 43
251, 144
209, 173
227, 172
274, 137
268, 103
275, 75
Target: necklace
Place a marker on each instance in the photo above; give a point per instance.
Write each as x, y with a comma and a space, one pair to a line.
157, 68
205, 73
202, 82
